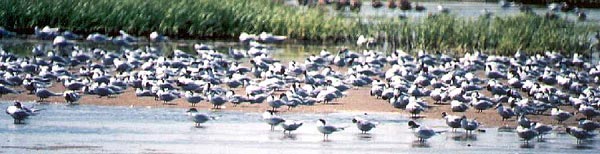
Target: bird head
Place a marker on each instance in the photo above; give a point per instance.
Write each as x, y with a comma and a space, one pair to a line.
18, 105
192, 110
444, 114
354, 120
413, 124
323, 121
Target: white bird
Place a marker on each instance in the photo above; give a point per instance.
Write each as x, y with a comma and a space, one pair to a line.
290, 126
421, 132
560, 115
197, 117
364, 125
327, 129
273, 120
469, 125
61, 41
452, 121
579, 133
362, 40
19, 112
443, 9
245, 37
155, 37
541, 129
526, 133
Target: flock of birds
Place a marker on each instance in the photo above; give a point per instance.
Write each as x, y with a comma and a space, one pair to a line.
406, 5
518, 86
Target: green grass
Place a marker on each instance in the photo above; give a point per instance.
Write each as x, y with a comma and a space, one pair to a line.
228, 18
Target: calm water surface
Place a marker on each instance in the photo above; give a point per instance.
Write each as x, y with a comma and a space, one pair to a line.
93, 129
461, 9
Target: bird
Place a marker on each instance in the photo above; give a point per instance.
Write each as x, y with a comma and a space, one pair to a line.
579, 133
45, 93
414, 107
98, 38
276, 103
4, 33
290, 125
155, 37
469, 125
505, 113
588, 125
71, 97
524, 121
541, 129
481, 105
458, 106
20, 112
526, 133
46, 32
364, 125
198, 118
560, 115
443, 9
273, 120
245, 37
62, 42
217, 100
421, 132
419, 8
327, 129
193, 98
452, 121
588, 111
270, 38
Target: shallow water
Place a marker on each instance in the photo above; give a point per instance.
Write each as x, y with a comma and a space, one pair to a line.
462, 9
92, 129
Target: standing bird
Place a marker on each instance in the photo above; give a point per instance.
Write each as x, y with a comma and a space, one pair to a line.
469, 125
588, 111
524, 121
197, 117
541, 129
290, 126
270, 118
71, 97
526, 133
217, 100
579, 133
327, 129
193, 98
421, 132
452, 121
588, 125
364, 125
560, 115
276, 103
505, 113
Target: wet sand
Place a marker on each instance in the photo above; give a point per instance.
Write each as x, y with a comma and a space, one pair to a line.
357, 100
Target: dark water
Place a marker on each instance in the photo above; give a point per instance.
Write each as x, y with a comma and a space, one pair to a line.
94, 129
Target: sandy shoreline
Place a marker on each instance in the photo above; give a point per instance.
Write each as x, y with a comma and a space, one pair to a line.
357, 100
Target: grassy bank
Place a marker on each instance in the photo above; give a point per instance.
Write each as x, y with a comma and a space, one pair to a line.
227, 19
